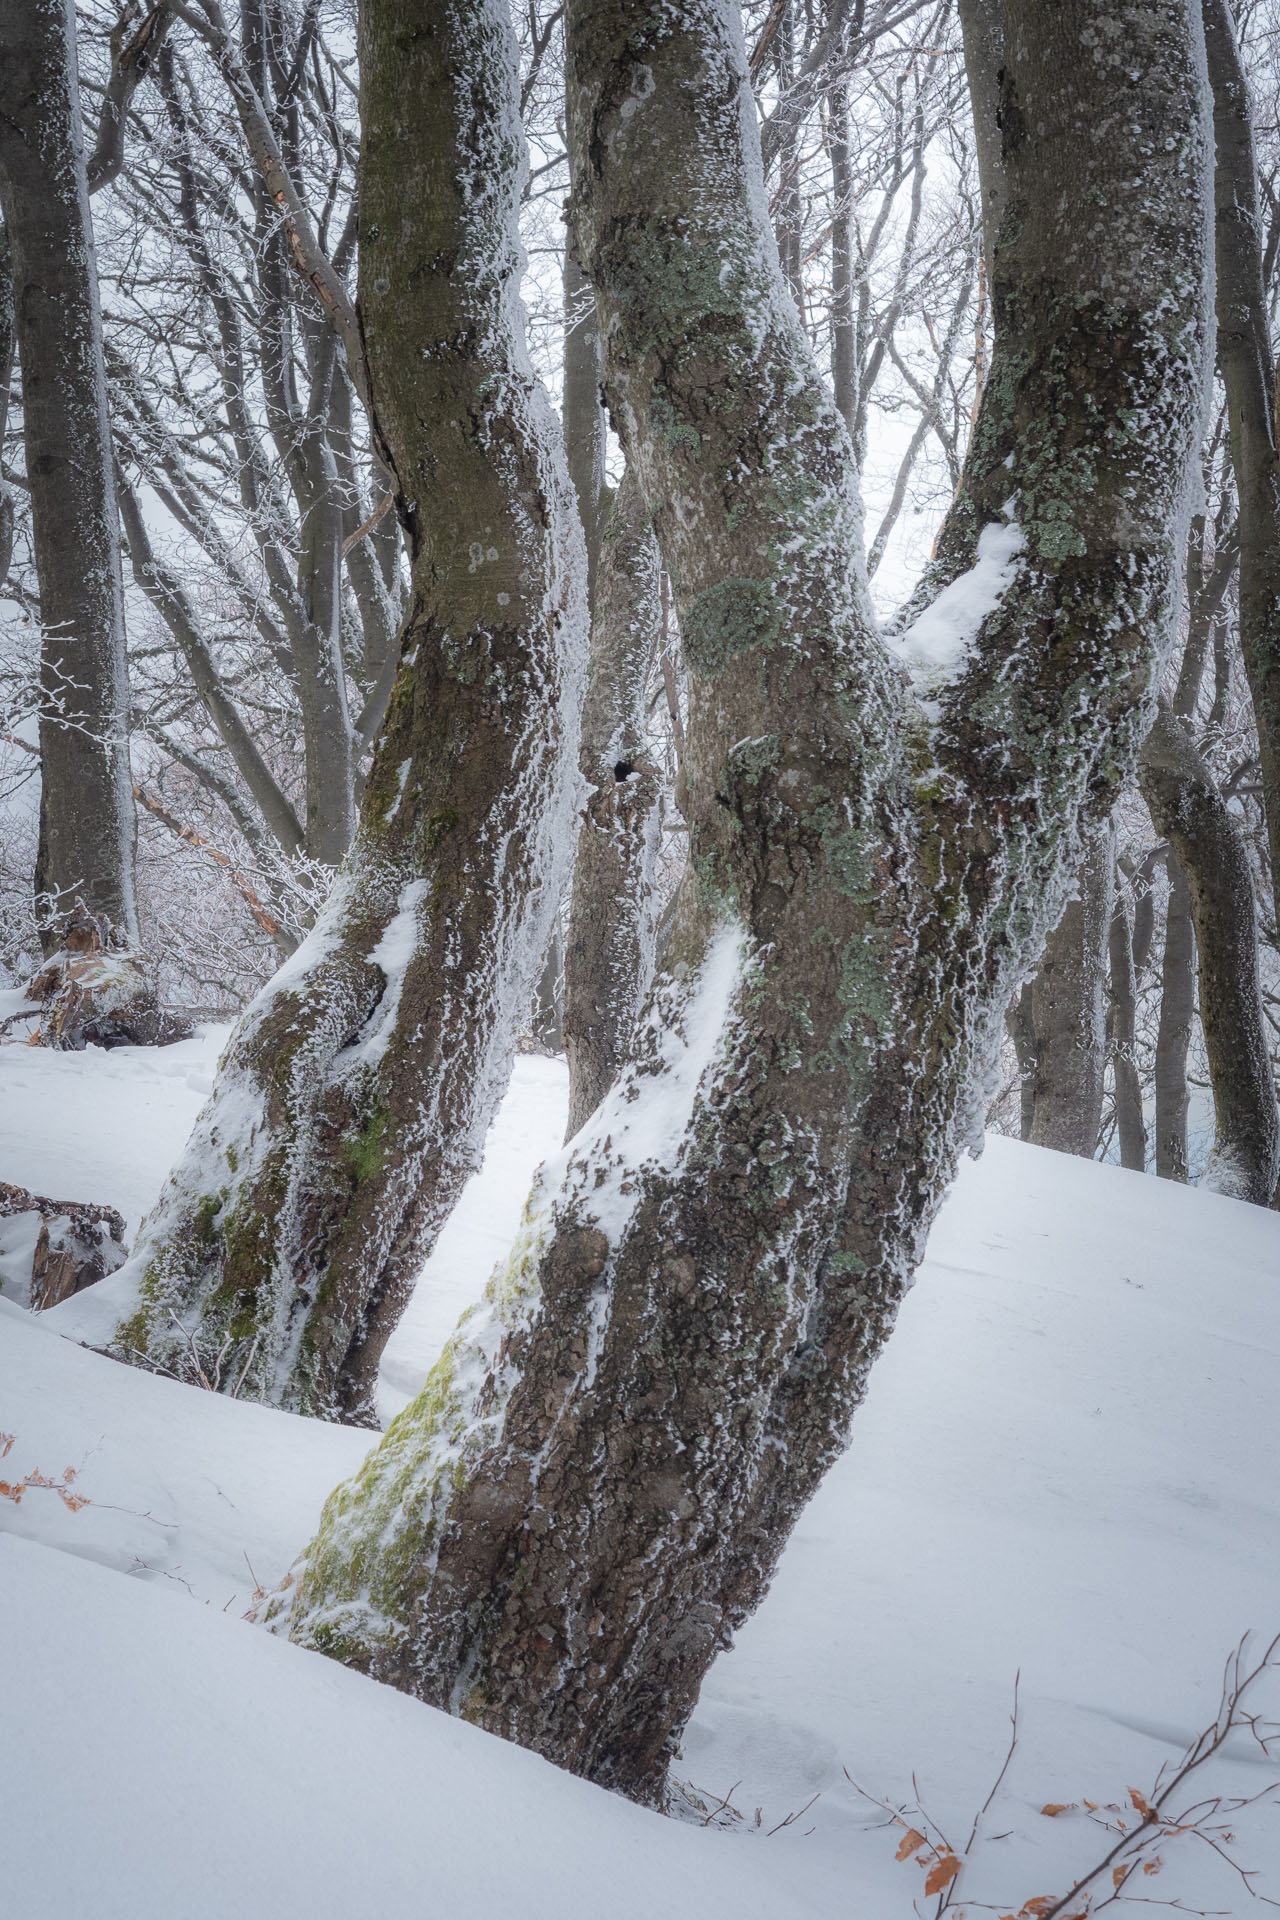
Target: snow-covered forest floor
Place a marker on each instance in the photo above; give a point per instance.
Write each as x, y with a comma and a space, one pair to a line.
1066, 1468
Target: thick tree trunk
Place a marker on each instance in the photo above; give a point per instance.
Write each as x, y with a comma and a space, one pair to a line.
1214, 891
1068, 1012
584, 426
1122, 1023
609, 961
354, 1097
86, 799
594, 1488
1173, 1037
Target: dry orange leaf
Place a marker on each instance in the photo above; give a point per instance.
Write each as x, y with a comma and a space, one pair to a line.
1120, 1874
942, 1874
8, 1439
908, 1844
1055, 1807
1147, 1812
1152, 1866
1041, 1904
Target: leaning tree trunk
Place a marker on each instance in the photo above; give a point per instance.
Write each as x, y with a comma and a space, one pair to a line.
353, 1099
86, 792
1068, 1014
609, 958
1213, 873
595, 1486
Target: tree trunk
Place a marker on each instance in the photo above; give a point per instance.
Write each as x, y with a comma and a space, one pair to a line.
1177, 1011
609, 961
1068, 1012
1122, 1021
353, 1099
86, 791
1248, 373
595, 1486
1216, 894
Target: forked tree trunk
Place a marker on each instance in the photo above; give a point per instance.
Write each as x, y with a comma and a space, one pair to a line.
353, 1099
86, 794
1068, 1013
610, 954
594, 1488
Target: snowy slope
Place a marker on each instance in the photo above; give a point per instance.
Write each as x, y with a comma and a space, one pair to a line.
1066, 1465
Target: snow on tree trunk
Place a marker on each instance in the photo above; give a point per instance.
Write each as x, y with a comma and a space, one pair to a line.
594, 1487
354, 1096
609, 958
86, 799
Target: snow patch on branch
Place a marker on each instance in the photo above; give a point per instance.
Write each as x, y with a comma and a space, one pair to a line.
935, 647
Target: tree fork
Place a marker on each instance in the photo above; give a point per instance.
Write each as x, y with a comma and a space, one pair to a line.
594, 1487
354, 1097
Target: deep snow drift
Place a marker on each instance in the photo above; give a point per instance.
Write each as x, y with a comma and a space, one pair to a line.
1066, 1465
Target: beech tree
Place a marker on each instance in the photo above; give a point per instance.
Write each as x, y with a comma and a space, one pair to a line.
86, 798
595, 1484
354, 1097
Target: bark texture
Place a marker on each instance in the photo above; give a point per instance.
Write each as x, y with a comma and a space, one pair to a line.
86, 791
354, 1097
594, 1487
609, 961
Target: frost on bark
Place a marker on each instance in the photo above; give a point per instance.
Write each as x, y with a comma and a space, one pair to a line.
86, 799
593, 1489
610, 953
1173, 1036
354, 1096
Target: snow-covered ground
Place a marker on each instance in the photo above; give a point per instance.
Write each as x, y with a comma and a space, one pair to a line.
1065, 1468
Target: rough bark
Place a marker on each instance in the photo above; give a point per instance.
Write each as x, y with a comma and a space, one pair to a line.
76, 1243
354, 1097
6, 388
1122, 1020
1248, 372
595, 1485
86, 799
584, 435
1068, 1013
1214, 891
609, 960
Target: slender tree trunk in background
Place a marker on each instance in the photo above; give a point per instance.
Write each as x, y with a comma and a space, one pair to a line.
844, 372
86, 796
1248, 372
1177, 1010
1020, 1022
611, 926
584, 424
1068, 1012
1122, 1022
6, 386
354, 1097
983, 26
594, 1488
1215, 896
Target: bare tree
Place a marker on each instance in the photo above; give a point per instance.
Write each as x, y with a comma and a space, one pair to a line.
595, 1485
